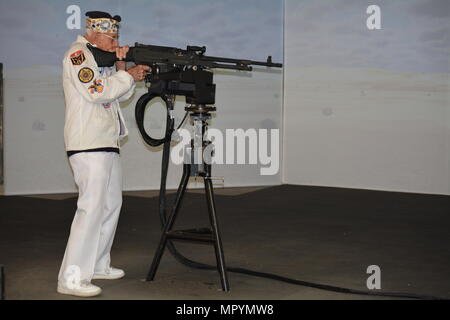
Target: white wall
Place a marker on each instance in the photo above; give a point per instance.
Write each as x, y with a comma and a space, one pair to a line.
367, 108
35, 160
34, 156
362, 109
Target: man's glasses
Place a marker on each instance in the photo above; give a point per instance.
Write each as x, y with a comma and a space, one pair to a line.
115, 38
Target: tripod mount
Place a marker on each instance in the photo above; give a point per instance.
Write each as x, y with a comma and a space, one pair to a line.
195, 166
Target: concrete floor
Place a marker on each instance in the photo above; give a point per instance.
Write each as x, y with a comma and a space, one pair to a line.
323, 235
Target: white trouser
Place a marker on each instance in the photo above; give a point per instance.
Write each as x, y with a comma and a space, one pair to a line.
98, 176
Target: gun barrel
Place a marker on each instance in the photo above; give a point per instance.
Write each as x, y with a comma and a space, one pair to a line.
267, 64
242, 61
231, 67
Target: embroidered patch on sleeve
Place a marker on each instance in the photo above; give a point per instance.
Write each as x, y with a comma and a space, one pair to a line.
86, 75
77, 57
96, 87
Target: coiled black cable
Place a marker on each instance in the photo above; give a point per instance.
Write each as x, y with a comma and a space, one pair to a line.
139, 113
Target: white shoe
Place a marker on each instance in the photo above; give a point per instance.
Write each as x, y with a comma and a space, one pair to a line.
109, 274
83, 289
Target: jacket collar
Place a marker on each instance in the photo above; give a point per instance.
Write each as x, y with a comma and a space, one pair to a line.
82, 39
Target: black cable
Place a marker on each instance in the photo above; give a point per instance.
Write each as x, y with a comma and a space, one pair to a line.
333, 288
139, 112
194, 264
182, 121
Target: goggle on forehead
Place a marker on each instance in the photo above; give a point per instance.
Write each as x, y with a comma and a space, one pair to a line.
102, 25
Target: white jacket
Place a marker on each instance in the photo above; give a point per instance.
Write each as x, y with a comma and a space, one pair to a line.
93, 117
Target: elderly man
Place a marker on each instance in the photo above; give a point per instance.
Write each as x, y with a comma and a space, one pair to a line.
93, 128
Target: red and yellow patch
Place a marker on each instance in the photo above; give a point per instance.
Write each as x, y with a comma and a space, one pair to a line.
86, 75
77, 58
97, 86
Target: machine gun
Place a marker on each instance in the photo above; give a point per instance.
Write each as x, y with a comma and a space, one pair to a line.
186, 73
180, 72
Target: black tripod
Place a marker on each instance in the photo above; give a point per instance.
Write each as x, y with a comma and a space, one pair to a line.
195, 166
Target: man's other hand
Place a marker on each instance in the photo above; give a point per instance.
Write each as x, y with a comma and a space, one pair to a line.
121, 52
139, 72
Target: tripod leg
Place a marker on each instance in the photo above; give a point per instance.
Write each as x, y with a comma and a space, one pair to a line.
169, 223
216, 233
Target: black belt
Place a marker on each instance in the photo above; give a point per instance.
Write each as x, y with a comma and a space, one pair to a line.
72, 152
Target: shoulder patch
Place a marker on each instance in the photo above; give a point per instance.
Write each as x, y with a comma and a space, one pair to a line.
77, 57
86, 75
